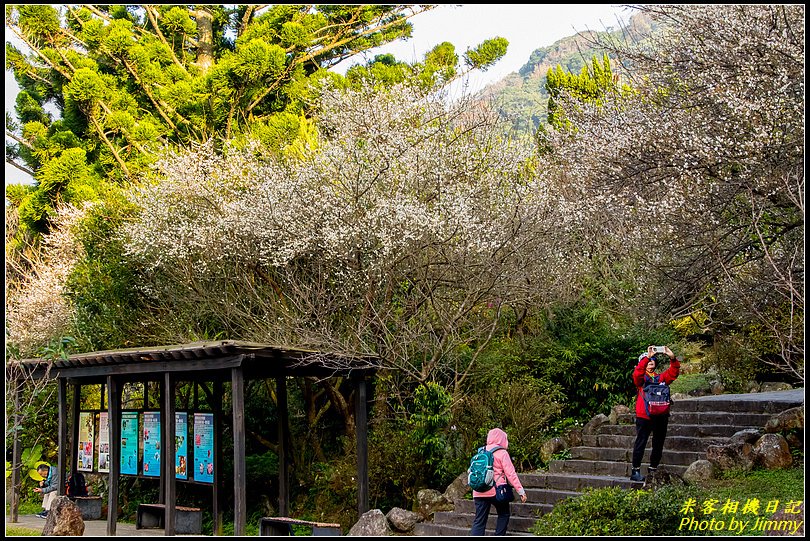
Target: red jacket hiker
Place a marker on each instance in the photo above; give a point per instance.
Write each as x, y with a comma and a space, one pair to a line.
668, 376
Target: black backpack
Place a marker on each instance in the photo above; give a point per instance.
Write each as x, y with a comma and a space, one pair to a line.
76, 485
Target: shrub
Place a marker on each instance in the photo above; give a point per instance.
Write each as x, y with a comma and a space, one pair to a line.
617, 511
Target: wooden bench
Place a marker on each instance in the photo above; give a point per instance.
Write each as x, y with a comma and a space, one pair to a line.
283, 526
188, 520
90, 506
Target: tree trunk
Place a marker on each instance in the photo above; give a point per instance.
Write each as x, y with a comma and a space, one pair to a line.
205, 38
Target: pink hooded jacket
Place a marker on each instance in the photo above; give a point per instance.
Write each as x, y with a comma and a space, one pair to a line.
502, 464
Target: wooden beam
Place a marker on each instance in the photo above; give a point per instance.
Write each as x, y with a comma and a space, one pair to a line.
239, 473
167, 471
283, 453
361, 430
114, 418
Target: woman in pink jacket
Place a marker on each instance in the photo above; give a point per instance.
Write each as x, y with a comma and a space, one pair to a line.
504, 472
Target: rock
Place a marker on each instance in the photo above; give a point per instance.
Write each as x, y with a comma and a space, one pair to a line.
679, 396
551, 447
64, 518
768, 386
428, 501
402, 520
616, 412
783, 518
731, 456
771, 451
790, 419
699, 471
662, 477
593, 425
457, 489
371, 523
749, 435
752, 387
718, 387
573, 438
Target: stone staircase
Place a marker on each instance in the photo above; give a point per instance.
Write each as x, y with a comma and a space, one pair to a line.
603, 459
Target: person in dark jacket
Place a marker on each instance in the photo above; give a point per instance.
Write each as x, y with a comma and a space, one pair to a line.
646, 424
504, 473
47, 487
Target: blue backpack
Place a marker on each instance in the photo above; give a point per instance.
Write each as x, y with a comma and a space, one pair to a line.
481, 475
656, 396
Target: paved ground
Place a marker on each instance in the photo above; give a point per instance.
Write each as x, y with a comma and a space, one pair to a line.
94, 528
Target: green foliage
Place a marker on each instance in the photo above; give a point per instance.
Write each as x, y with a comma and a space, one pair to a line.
486, 54
429, 422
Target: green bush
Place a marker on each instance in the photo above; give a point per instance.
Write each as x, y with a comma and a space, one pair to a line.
618, 511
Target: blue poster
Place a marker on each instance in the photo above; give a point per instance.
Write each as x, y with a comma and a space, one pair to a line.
180, 445
151, 443
204, 447
129, 442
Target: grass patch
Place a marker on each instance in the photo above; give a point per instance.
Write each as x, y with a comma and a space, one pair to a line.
16, 531
687, 383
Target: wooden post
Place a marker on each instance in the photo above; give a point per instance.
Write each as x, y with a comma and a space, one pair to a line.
239, 474
16, 454
283, 459
114, 417
62, 437
167, 443
74, 430
217, 492
361, 430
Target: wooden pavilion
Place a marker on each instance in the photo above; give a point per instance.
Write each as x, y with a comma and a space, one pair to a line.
217, 362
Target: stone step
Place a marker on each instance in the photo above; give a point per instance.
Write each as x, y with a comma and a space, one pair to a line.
706, 417
531, 508
696, 431
602, 467
568, 482
673, 443
465, 520
433, 528
679, 458
775, 402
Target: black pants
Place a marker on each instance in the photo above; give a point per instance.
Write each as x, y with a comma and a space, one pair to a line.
482, 506
658, 426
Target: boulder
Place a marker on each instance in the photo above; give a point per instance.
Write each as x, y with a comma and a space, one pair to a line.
457, 489
616, 413
402, 520
790, 419
64, 518
731, 456
772, 452
699, 471
371, 523
749, 435
662, 477
429, 501
550, 448
768, 386
573, 438
784, 518
593, 425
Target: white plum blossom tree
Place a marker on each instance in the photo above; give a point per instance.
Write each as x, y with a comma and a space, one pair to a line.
408, 229
695, 183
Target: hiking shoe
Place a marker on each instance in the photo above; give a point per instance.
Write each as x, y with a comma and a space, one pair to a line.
42, 514
651, 471
636, 475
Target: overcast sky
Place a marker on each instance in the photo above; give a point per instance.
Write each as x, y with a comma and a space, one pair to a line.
526, 26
